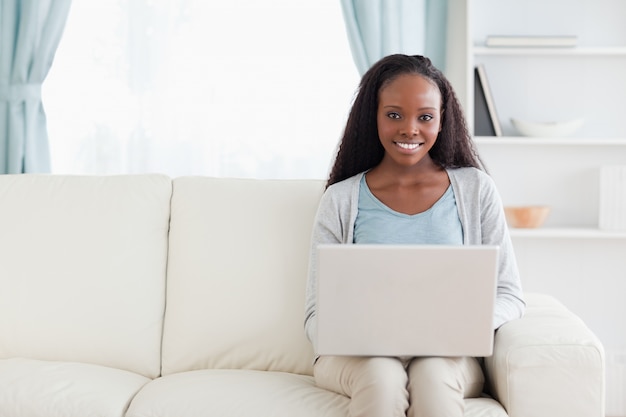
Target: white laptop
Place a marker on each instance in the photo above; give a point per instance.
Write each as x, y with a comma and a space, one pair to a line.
406, 300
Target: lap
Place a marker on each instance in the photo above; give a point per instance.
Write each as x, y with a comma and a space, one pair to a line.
463, 373
377, 386
341, 373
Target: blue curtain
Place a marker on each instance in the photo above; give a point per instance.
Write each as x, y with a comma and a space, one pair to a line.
377, 28
30, 31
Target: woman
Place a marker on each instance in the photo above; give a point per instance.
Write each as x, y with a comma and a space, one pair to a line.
406, 173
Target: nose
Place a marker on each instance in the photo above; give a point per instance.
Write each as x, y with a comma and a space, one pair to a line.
409, 128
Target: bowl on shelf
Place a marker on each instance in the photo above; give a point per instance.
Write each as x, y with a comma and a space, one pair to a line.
526, 217
547, 129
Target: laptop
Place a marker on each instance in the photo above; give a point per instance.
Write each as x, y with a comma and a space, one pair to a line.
406, 300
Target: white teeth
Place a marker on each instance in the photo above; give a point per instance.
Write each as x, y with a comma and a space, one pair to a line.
408, 145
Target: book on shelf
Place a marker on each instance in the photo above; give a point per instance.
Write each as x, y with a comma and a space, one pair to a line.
486, 122
561, 41
612, 213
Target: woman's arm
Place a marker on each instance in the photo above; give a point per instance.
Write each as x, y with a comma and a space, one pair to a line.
334, 222
509, 296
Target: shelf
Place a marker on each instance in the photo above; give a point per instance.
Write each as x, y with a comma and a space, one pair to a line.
567, 233
532, 141
576, 51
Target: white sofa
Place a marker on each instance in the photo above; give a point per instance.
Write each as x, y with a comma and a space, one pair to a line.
145, 296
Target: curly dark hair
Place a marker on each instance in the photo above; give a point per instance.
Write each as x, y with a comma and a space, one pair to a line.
360, 148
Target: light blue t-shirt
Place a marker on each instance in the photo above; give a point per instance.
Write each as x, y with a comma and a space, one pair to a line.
377, 223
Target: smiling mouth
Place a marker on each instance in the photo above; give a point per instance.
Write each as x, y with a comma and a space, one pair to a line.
408, 145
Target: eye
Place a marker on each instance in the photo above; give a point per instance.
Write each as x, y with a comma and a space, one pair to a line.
393, 115
426, 117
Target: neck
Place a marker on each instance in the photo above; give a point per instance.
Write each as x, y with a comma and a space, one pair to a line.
399, 174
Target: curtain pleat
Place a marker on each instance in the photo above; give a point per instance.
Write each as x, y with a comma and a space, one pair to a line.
30, 31
377, 28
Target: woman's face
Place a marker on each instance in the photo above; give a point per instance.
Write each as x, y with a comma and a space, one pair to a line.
409, 119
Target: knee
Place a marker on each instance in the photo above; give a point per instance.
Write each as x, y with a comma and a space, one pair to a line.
432, 372
382, 386
436, 386
383, 371
460, 375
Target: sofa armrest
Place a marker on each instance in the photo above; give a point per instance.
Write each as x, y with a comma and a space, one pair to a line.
548, 363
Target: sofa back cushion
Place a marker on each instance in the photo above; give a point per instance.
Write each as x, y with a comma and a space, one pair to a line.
82, 268
238, 261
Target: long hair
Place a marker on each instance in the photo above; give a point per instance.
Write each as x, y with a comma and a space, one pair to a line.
360, 148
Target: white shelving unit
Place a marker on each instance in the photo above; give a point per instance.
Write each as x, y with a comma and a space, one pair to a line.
547, 84
578, 51
567, 233
569, 257
564, 142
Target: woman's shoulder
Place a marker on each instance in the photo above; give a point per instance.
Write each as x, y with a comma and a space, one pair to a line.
337, 205
344, 186
469, 174
472, 181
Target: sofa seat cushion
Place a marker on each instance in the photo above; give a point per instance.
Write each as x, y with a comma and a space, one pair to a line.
33, 388
241, 393
236, 393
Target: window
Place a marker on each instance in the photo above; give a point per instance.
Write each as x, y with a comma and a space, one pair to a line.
244, 88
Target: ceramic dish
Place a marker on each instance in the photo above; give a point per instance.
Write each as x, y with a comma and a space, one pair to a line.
547, 129
528, 217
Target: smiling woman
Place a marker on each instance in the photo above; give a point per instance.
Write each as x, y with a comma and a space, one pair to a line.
189, 87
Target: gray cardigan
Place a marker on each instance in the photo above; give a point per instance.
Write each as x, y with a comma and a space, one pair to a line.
482, 218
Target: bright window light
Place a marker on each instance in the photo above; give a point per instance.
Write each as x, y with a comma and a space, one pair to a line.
244, 88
